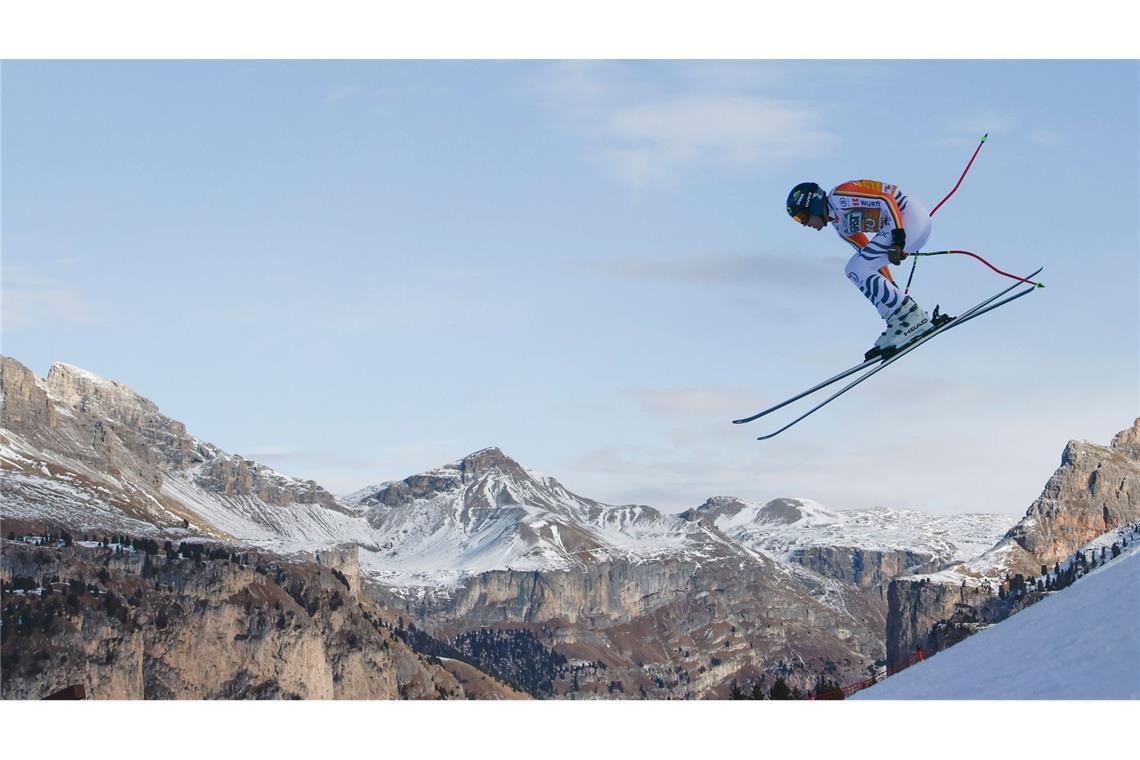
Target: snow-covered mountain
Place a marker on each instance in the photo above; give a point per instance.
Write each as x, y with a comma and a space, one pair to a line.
89, 452
487, 512
784, 527
84, 450
1079, 643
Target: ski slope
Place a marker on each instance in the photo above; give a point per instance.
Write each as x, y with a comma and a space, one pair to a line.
1080, 643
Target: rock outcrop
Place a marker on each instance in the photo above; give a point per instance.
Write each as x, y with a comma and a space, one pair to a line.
1096, 489
932, 616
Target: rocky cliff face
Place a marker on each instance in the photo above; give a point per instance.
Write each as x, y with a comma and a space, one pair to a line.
126, 625
933, 616
1096, 489
675, 629
866, 569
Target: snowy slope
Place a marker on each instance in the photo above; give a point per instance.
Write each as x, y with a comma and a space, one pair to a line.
784, 526
1079, 643
43, 484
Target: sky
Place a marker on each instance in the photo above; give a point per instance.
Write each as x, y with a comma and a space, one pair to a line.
354, 271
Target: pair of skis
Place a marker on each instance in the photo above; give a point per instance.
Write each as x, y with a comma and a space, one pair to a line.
991, 303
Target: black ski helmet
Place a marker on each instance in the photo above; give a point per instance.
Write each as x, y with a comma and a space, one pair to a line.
807, 199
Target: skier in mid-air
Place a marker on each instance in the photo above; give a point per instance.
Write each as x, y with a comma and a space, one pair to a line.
879, 221
882, 223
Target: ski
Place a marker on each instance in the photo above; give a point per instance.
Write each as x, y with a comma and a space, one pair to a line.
869, 362
809, 391
986, 306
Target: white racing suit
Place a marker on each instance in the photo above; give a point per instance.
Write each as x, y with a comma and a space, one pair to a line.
865, 213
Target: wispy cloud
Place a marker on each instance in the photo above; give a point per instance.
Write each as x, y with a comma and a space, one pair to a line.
966, 131
1044, 137
649, 135
31, 302
693, 402
712, 268
342, 92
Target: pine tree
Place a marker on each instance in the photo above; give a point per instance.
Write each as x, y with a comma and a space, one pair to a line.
780, 690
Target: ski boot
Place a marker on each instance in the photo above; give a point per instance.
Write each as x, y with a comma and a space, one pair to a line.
908, 323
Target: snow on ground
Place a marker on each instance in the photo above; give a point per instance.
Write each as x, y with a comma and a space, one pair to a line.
1079, 643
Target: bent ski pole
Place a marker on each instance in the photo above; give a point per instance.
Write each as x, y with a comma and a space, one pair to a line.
979, 258
914, 264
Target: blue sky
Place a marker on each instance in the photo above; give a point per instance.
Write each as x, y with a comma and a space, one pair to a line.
354, 271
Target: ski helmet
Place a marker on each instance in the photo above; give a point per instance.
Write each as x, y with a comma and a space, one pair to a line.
807, 199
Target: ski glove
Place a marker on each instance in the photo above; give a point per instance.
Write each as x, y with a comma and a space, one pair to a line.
896, 253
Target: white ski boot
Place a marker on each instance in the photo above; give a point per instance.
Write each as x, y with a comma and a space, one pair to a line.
910, 321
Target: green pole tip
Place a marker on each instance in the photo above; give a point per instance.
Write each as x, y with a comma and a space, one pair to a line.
987, 134
1040, 284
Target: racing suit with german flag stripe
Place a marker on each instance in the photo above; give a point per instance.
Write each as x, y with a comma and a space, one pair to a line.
865, 213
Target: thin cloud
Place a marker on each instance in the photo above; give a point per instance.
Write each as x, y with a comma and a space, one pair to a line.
967, 131
661, 140
343, 92
37, 303
693, 402
648, 136
724, 269
1044, 137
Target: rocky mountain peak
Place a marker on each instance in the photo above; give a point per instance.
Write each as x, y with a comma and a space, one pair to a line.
721, 506
475, 465
1096, 489
791, 511
1127, 441
78, 388
24, 404
487, 478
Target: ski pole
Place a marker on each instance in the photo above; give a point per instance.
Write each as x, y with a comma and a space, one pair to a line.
979, 258
980, 144
914, 264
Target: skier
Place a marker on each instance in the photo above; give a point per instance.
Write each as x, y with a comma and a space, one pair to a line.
879, 221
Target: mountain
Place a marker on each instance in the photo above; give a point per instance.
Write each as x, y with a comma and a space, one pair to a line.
487, 512
93, 453
1080, 643
653, 603
867, 547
